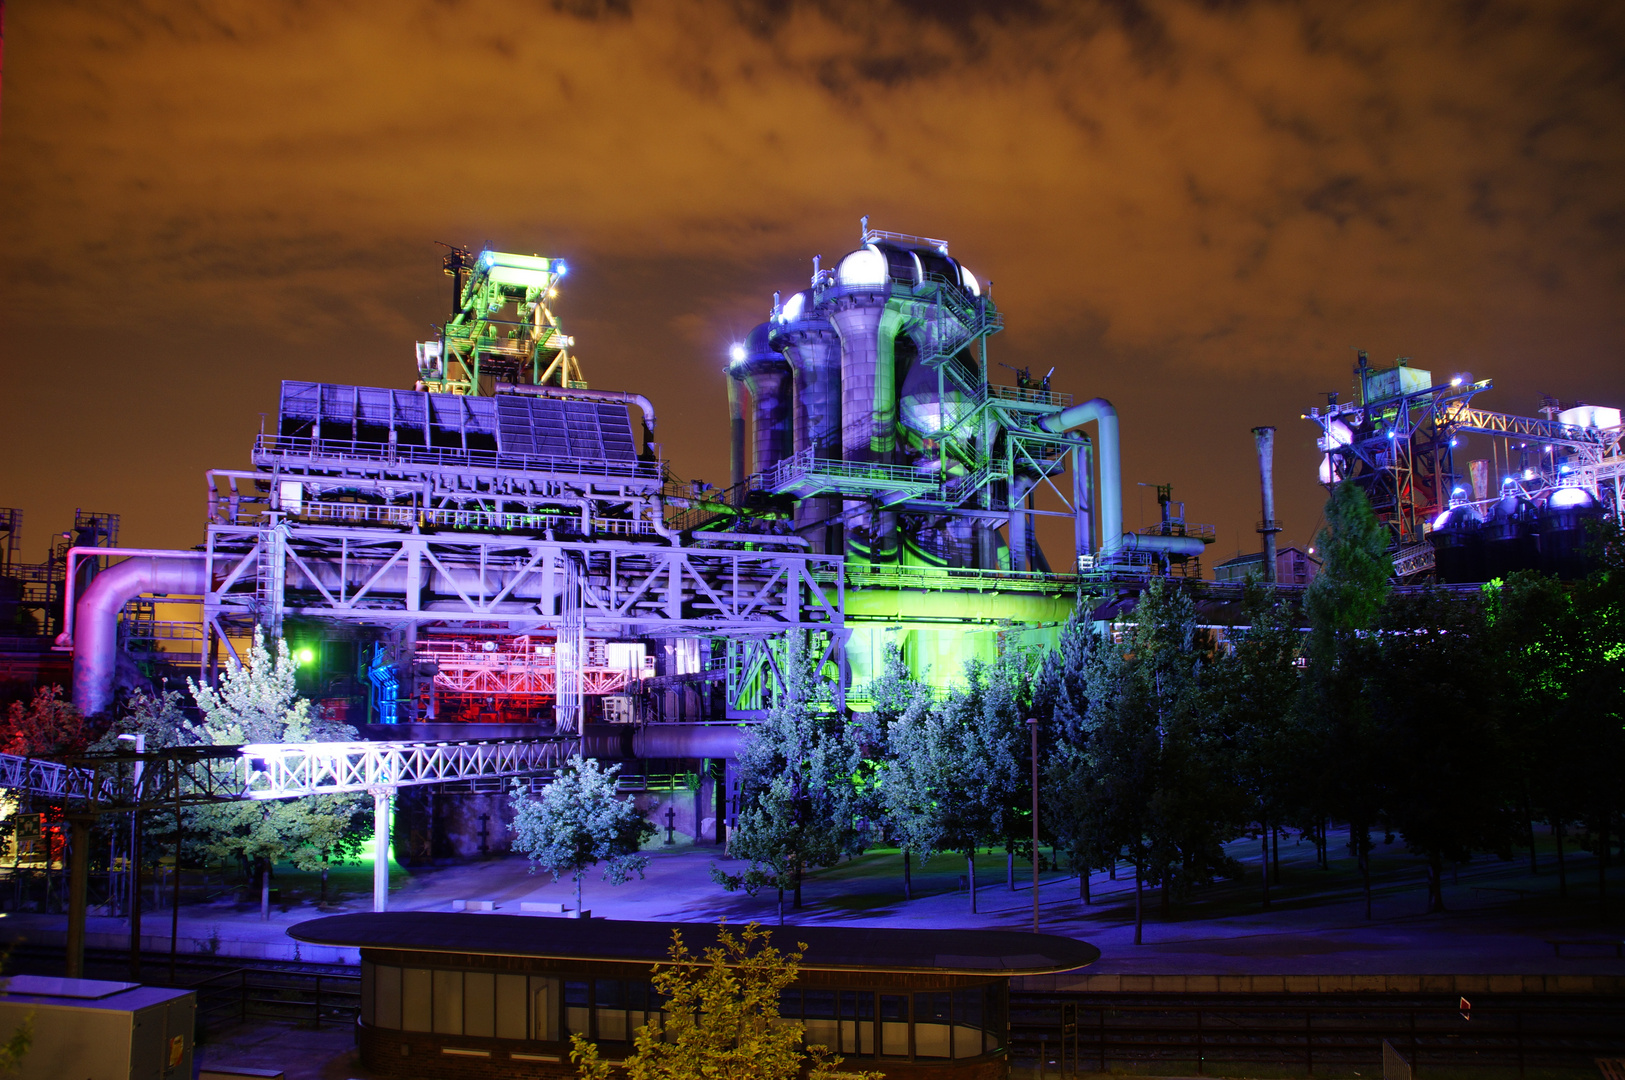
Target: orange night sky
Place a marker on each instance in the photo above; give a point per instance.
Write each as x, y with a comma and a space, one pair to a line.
1194, 209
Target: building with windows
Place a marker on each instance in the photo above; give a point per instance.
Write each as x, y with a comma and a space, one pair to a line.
476, 995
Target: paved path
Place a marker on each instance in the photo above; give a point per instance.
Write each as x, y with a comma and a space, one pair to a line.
1316, 923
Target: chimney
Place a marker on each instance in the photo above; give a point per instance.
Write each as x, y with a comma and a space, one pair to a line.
1264, 437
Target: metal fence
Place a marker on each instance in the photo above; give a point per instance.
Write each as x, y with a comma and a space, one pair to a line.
1093, 1033
244, 994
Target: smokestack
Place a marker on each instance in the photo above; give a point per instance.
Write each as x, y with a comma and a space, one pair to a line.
1264, 437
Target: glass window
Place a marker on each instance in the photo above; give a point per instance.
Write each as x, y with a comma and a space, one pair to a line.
932, 1026
968, 1010
894, 1025
857, 1022
544, 1012
415, 998
609, 1010
387, 997
479, 1003
790, 1004
820, 1027
511, 1007
448, 1002
576, 1002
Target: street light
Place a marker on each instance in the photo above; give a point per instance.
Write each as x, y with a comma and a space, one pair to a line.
138, 743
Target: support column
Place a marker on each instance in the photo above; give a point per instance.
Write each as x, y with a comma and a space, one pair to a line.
78, 881
380, 848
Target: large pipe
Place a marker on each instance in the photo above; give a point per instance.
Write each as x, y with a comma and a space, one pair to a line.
95, 628
1160, 545
736, 433
1111, 469
688, 741
1264, 438
619, 397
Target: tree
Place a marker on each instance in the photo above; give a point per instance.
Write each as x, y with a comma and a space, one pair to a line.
1435, 710
1356, 571
1347, 763
1253, 690
720, 1019
260, 703
1071, 796
578, 822
802, 787
972, 765
46, 727
900, 703
1152, 760
1531, 627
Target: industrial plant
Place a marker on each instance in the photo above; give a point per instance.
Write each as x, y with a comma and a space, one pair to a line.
490, 567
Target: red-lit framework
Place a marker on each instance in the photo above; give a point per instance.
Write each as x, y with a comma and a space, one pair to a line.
510, 679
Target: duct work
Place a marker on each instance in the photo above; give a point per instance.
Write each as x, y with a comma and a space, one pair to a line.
95, 622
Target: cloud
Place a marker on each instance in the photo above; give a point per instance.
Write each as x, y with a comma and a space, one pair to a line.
1210, 191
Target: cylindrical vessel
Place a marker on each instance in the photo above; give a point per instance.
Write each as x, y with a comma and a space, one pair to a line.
767, 377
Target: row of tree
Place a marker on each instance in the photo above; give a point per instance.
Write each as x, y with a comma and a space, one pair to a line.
1456, 720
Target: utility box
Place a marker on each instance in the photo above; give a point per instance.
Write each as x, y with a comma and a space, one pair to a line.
88, 1029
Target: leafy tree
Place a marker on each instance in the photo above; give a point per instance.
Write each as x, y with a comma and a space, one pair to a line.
1347, 763
17, 1044
1435, 710
1071, 796
1356, 573
45, 727
578, 822
977, 739
1530, 619
1593, 719
900, 703
1152, 759
802, 788
720, 1020
1252, 692
259, 703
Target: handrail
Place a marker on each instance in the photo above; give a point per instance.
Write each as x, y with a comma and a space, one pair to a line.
280, 448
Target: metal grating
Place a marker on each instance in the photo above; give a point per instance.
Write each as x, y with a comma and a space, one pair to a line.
509, 424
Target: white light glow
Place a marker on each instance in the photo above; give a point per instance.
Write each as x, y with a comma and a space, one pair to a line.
865, 266
1564, 498
1438, 522
794, 306
737, 354
968, 279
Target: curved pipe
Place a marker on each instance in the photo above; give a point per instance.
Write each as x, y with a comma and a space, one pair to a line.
688, 741
1111, 467
619, 397
95, 634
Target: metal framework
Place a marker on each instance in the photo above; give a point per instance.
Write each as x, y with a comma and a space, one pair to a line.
1400, 440
501, 327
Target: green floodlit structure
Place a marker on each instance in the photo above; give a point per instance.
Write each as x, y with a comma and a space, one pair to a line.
501, 329
864, 423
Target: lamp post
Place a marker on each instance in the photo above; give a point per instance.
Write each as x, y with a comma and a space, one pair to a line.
1032, 726
137, 742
